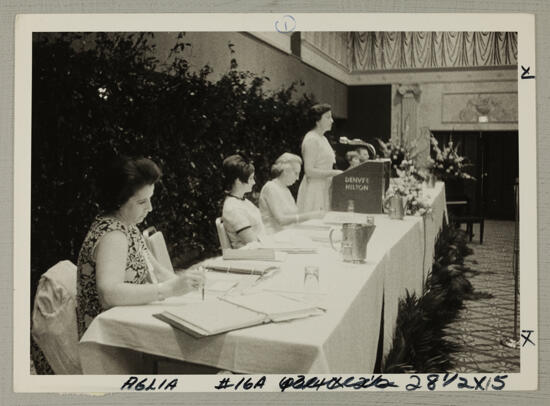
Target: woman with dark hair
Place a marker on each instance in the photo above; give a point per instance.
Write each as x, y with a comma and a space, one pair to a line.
241, 219
277, 204
319, 159
114, 264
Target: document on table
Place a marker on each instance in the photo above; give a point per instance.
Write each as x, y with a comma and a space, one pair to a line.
229, 313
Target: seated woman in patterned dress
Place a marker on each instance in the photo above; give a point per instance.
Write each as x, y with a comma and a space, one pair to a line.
114, 263
241, 218
277, 205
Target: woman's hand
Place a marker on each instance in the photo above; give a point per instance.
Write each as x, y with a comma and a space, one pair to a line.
184, 282
336, 172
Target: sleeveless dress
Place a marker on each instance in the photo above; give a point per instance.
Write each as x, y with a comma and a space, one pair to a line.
314, 193
137, 267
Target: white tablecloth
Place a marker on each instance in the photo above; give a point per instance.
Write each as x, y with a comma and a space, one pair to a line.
342, 340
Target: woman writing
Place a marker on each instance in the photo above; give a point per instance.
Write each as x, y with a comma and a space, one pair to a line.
277, 205
319, 159
114, 263
241, 219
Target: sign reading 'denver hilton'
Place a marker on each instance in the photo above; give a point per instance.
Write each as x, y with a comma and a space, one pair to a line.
362, 188
356, 183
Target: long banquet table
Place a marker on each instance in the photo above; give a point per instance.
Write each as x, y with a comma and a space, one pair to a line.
342, 340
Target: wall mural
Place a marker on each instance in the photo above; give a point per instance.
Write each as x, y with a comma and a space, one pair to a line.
479, 107
375, 51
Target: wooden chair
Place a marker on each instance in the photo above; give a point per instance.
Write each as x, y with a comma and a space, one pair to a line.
225, 243
459, 213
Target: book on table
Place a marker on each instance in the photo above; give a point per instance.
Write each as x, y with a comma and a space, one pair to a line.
259, 254
250, 267
223, 314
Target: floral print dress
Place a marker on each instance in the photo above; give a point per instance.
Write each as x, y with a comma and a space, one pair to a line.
137, 267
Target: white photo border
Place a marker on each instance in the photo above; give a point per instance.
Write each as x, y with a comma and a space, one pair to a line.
523, 24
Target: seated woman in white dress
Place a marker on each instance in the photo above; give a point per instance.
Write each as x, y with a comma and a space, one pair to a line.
241, 219
277, 204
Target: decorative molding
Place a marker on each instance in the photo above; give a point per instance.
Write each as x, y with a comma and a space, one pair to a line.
501, 74
489, 107
364, 58
413, 89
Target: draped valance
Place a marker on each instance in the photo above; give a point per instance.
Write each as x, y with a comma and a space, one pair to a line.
375, 51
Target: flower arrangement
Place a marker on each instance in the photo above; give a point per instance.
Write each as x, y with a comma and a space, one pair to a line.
394, 151
445, 163
407, 186
402, 157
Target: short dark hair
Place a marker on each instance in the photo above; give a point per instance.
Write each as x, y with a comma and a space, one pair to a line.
122, 177
317, 111
236, 167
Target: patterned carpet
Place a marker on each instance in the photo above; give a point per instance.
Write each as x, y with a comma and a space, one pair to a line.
488, 318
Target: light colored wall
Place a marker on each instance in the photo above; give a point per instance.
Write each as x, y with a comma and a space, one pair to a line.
258, 57
430, 107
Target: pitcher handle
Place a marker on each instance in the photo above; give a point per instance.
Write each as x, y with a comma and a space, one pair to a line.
330, 239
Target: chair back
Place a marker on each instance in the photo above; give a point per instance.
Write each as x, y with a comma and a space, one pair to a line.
54, 326
157, 245
225, 243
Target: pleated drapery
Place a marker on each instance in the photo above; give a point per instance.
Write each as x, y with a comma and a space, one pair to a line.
374, 51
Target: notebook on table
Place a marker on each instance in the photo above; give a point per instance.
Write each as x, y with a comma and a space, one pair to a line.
220, 315
260, 254
250, 267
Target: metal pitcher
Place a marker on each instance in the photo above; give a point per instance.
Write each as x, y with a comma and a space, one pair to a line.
355, 238
396, 207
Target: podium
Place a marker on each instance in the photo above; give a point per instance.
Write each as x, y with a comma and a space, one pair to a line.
363, 187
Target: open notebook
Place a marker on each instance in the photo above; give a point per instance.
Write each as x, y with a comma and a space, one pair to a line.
229, 313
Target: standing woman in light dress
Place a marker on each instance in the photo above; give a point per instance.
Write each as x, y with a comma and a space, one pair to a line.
319, 159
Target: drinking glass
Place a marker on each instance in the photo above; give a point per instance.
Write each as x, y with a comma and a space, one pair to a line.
311, 278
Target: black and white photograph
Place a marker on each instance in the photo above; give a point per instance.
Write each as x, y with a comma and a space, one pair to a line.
266, 197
